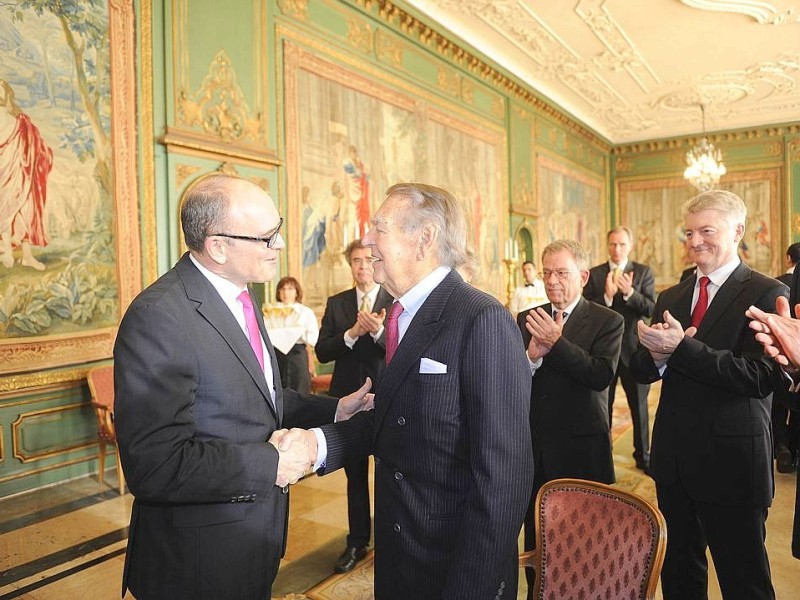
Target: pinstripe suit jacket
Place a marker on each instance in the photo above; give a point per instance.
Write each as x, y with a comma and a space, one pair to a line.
453, 461
193, 414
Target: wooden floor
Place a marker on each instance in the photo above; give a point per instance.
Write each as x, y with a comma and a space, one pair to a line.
68, 541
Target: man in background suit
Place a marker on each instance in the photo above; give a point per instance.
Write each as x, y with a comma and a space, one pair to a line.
198, 405
712, 451
450, 434
573, 357
352, 334
780, 336
628, 288
786, 418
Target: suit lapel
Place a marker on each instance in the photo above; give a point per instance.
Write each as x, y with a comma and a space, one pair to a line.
726, 294
214, 310
273, 361
424, 328
576, 321
682, 307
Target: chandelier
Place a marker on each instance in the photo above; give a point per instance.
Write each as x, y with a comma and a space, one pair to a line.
704, 162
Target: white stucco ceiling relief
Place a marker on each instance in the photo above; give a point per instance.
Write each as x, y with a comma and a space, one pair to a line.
635, 70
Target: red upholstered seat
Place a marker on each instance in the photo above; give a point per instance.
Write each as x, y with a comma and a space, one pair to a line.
101, 386
594, 541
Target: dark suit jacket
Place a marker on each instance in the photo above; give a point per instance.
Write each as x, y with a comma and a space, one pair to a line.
569, 397
638, 307
365, 358
453, 461
193, 415
712, 426
786, 279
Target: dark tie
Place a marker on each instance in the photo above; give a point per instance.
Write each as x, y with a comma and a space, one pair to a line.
702, 303
392, 330
564, 314
252, 327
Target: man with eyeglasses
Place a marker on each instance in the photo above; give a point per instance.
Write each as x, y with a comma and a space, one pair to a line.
628, 288
573, 346
199, 407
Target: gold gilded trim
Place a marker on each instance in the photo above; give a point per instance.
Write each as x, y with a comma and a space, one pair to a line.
16, 432
148, 164
30, 472
297, 9
184, 172
58, 389
202, 145
218, 105
50, 351
389, 50
359, 35
409, 25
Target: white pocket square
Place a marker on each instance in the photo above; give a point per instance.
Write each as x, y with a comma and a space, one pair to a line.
427, 365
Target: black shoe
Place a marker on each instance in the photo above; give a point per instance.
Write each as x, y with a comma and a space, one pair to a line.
349, 558
643, 465
785, 460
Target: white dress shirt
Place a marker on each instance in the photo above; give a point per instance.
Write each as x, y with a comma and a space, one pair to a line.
229, 292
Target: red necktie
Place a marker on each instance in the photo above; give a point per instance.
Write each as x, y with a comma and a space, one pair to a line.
252, 326
392, 330
702, 303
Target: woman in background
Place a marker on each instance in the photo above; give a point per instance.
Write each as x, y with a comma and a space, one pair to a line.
300, 332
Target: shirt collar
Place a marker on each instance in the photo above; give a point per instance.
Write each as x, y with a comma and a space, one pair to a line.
721, 274
372, 295
569, 309
225, 288
622, 265
414, 298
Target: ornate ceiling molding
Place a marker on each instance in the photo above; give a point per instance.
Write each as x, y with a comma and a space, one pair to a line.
763, 12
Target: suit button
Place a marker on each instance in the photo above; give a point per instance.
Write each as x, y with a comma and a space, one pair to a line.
396, 527
401, 421
398, 475
377, 460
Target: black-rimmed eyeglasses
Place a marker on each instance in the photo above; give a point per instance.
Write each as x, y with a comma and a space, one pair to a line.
269, 240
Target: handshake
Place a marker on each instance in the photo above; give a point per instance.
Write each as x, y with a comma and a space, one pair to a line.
297, 448
297, 453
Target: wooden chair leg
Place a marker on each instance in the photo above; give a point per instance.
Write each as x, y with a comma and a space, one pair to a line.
101, 465
120, 475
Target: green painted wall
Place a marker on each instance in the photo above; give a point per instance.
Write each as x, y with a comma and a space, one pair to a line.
211, 95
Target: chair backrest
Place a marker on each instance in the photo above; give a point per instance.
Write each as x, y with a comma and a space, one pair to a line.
101, 385
596, 541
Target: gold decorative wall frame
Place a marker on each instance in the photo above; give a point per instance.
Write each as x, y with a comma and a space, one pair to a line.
16, 434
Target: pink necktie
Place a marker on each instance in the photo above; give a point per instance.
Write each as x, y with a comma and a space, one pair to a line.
252, 326
392, 331
702, 303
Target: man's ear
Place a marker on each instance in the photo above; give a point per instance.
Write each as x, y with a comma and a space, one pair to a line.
216, 249
739, 232
426, 241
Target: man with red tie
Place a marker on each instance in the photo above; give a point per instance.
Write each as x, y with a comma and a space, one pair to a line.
712, 451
